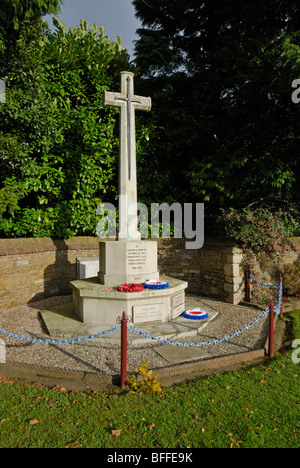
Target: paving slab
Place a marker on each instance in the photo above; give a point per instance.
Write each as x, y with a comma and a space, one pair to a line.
176, 355
62, 322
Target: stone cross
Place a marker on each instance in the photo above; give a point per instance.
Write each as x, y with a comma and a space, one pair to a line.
128, 103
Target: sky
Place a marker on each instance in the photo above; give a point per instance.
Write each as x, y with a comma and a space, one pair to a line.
117, 16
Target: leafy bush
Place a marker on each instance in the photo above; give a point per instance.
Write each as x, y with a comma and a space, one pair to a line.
255, 231
58, 144
148, 383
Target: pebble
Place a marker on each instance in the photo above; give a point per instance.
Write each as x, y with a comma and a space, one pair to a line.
96, 357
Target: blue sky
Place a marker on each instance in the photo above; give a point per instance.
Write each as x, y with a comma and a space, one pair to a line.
117, 16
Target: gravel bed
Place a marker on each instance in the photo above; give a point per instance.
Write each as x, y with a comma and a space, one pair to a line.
98, 357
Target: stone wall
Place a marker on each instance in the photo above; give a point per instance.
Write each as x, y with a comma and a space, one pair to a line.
267, 269
33, 269
215, 270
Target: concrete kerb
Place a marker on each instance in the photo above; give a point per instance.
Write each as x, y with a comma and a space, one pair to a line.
80, 381
77, 381
291, 306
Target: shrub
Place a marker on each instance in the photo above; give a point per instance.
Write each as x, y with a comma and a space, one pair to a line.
148, 383
255, 231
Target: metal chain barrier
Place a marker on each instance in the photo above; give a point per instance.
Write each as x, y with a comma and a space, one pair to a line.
205, 343
59, 342
123, 321
123, 327
134, 329
272, 285
277, 310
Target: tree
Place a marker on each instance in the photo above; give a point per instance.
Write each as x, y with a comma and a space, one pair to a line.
220, 74
20, 23
58, 145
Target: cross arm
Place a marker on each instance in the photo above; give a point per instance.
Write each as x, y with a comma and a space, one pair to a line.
142, 103
112, 99
117, 99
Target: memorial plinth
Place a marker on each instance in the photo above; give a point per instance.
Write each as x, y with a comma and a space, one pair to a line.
128, 259
127, 262
97, 301
98, 304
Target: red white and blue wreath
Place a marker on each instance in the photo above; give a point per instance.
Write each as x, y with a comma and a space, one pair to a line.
154, 284
195, 314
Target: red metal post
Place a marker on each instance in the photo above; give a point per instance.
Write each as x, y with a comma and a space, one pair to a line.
271, 329
123, 350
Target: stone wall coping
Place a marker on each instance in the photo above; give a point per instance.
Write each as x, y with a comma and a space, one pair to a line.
45, 244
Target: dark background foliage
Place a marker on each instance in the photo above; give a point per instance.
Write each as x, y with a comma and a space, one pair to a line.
220, 73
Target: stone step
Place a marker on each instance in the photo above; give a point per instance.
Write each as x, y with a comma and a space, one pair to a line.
62, 323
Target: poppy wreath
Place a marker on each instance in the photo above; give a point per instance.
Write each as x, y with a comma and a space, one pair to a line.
156, 284
130, 287
195, 314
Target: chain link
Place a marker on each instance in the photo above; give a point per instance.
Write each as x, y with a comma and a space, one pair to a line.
59, 342
134, 329
272, 285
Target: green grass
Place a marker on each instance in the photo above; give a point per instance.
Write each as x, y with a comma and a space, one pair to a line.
254, 407
296, 323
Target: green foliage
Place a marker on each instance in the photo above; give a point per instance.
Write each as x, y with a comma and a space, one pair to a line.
256, 231
291, 278
58, 145
20, 23
145, 382
10, 195
296, 324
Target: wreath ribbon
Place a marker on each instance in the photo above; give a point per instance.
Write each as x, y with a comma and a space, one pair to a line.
152, 284
195, 314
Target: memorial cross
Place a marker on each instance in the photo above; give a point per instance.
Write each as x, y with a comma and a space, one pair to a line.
128, 103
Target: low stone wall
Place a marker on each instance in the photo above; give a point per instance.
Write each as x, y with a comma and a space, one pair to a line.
33, 269
214, 270
267, 269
